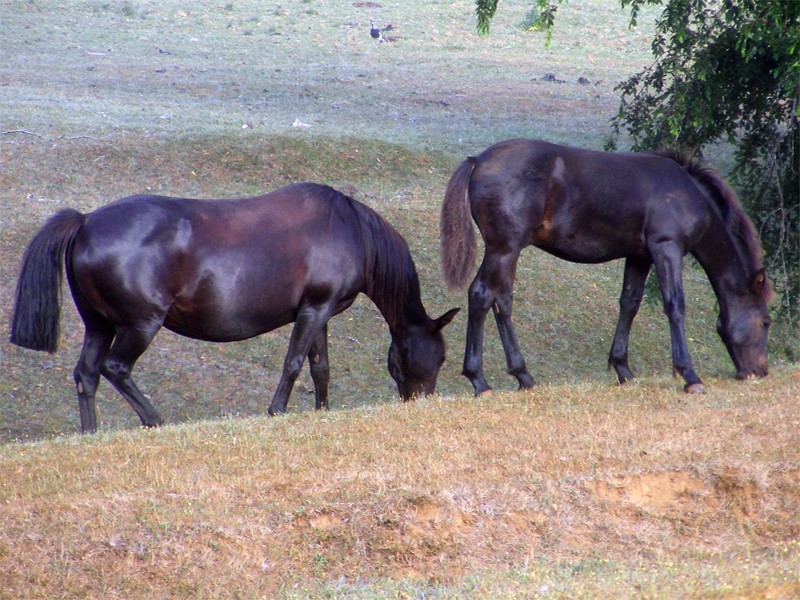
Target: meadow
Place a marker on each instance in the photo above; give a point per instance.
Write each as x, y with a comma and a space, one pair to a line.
577, 488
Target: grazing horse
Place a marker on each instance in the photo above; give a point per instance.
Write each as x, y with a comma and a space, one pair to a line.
222, 271
586, 206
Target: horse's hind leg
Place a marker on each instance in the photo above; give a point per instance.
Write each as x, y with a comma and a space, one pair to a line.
515, 362
320, 371
480, 299
493, 288
129, 344
96, 343
629, 301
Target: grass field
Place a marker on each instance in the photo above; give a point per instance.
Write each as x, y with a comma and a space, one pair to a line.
578, 488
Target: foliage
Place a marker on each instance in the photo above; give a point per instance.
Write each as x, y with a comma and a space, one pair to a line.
541, 18
730, 70
726, 70
484, 10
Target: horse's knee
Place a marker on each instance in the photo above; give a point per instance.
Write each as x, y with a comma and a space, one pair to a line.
630, 304
85, 382
480, 296
114, 370
674, 307
320, 370
292, 368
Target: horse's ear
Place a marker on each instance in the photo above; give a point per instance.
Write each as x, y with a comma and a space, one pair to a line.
760, 285
444, 320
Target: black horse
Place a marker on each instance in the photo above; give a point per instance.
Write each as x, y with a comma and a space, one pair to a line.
221, 271
590, 207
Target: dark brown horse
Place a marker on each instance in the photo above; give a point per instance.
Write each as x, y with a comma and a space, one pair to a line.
222, 271
591, 207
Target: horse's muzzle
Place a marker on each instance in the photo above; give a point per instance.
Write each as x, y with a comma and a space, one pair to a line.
760, 371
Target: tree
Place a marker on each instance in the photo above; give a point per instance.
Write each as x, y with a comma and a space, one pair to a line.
723, 70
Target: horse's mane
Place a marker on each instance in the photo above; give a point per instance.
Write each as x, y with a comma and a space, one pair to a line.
727, 203
389, 270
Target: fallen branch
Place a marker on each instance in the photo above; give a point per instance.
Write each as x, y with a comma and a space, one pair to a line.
23, 131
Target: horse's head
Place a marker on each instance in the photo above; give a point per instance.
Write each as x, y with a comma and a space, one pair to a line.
743, 327
416, 356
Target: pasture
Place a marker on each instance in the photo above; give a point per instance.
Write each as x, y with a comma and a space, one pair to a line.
576, 488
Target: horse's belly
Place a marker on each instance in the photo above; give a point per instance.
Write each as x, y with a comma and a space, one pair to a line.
589, 237
226, 324
581, 249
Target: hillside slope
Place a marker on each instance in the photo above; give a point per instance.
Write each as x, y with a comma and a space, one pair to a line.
569, 489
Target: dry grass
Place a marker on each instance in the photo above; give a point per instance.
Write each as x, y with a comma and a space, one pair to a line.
570, 490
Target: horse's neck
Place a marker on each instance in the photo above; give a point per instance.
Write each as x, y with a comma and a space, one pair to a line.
724, 260
401, 306
395, 290
399, 316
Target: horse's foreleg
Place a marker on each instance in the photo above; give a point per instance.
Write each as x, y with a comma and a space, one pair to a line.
668, 260
96, 343
309, 324
493, 288
320, 371
629, 301
129, 345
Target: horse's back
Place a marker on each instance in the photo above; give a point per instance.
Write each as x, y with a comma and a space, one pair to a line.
583, 205
170, 226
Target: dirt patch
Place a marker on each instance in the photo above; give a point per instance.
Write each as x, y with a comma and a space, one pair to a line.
655, 490
325, 521
429, 521
734, 494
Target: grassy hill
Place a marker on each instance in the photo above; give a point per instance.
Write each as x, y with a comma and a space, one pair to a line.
575, 488
572, 490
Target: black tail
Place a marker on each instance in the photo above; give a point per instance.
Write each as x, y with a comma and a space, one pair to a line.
37, 308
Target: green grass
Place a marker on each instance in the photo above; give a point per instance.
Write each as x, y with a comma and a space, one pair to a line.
525, 494
94, 69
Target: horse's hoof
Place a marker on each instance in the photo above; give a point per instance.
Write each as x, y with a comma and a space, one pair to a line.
694, 388
526, 382
485, 393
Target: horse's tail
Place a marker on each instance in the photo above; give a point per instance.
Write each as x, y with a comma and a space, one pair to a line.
458, 245
37, 308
